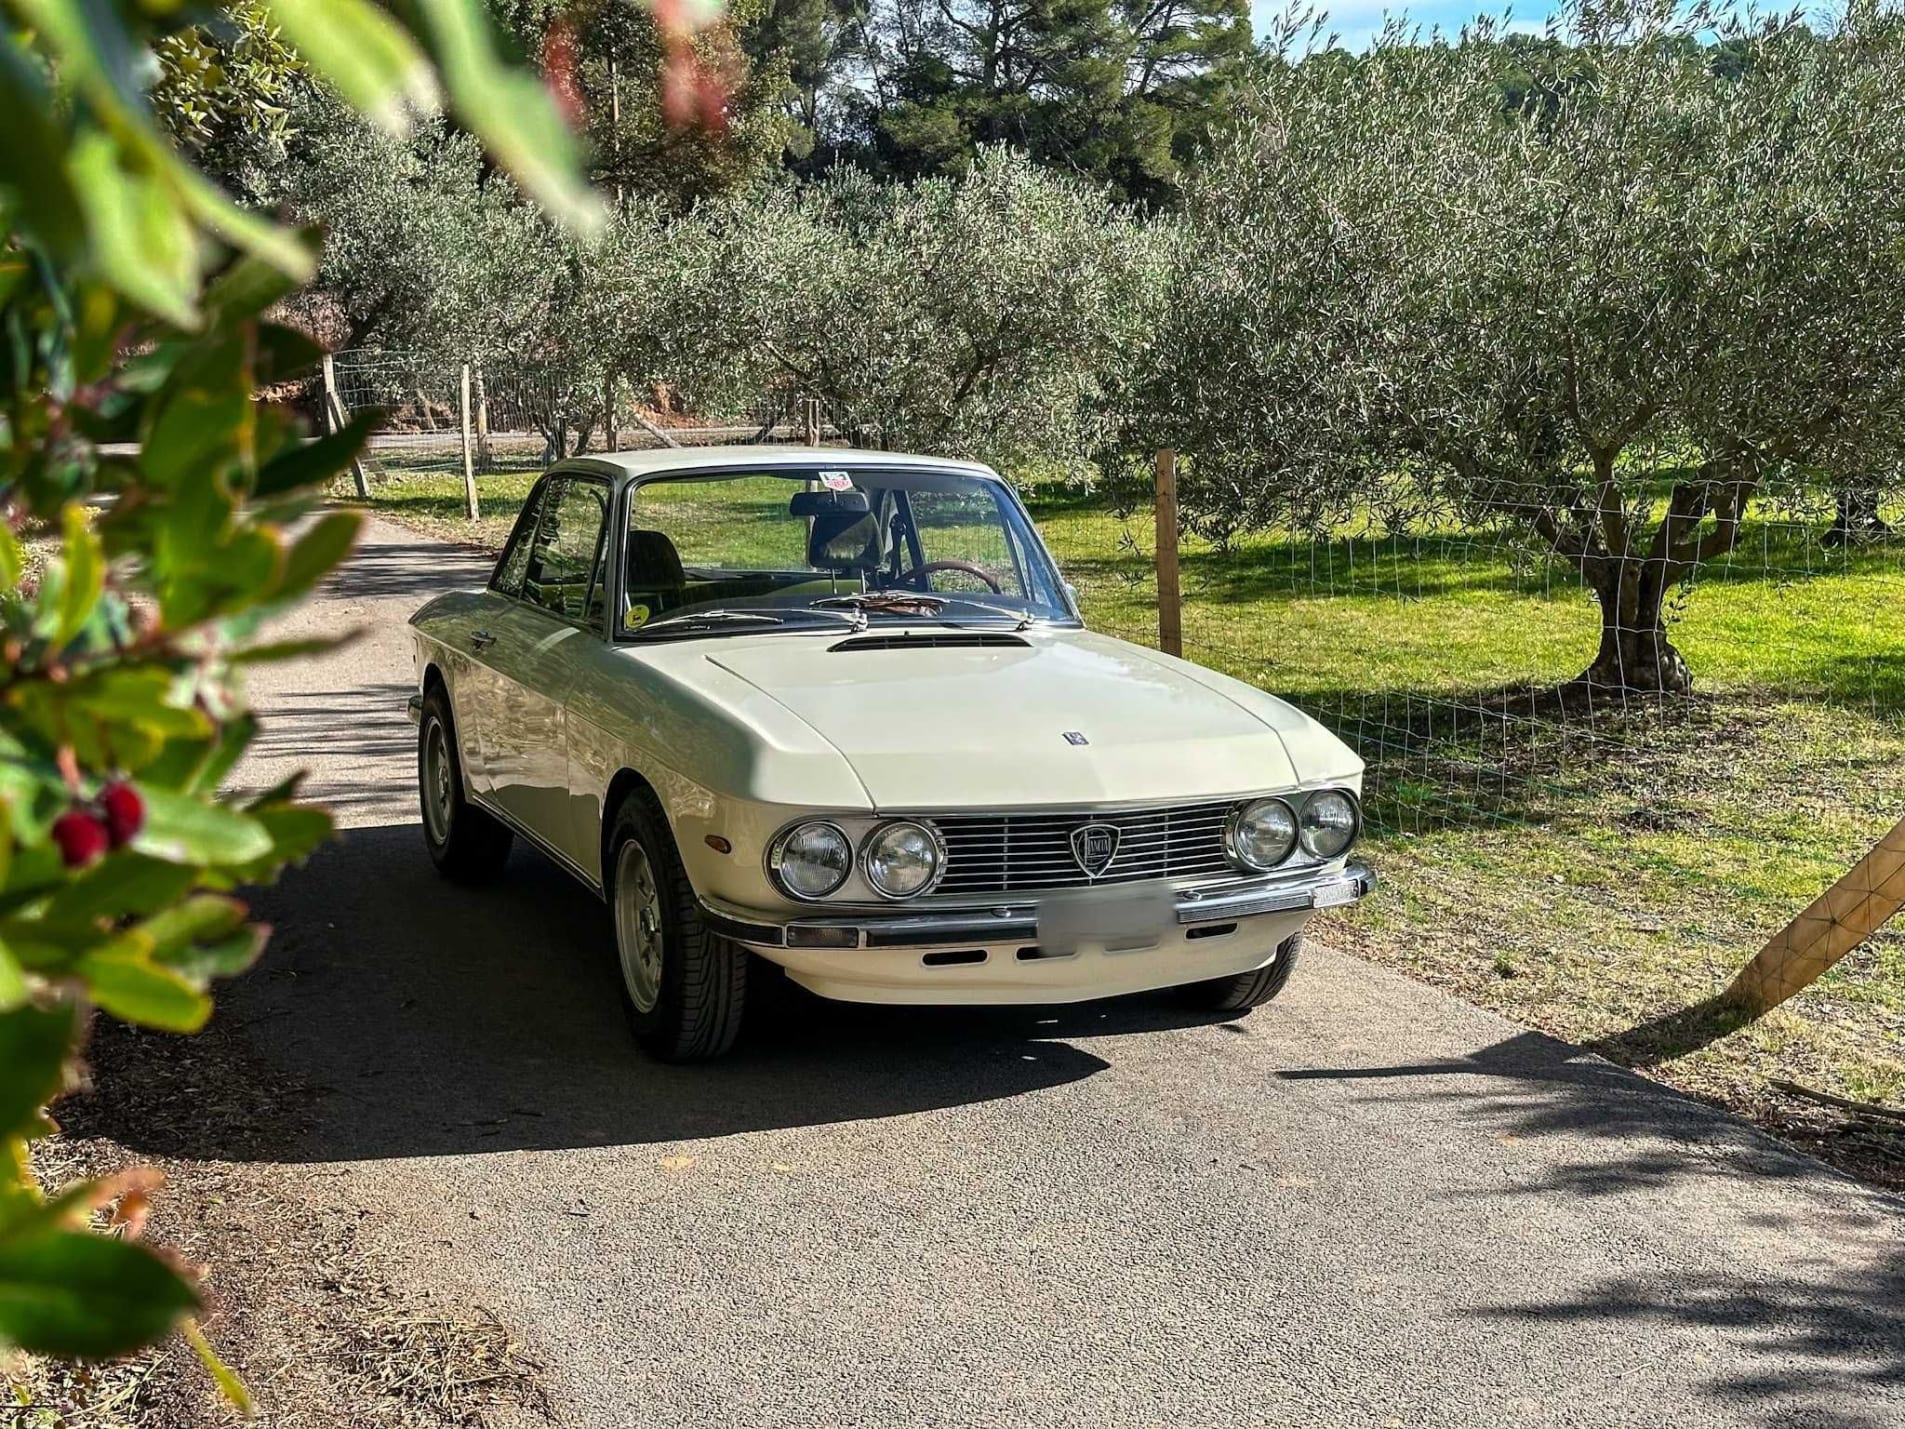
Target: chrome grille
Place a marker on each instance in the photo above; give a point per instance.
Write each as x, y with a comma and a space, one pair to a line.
1015, 853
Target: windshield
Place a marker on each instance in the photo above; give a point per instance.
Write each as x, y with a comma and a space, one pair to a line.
798, 547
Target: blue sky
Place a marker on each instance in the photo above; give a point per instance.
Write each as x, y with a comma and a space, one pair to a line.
1356, 21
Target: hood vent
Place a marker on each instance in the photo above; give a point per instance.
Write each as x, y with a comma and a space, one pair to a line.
935, 640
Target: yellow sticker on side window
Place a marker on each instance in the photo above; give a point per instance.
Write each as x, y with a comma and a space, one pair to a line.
636, 618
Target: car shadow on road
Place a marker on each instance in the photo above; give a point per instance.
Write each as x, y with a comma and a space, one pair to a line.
398, 1015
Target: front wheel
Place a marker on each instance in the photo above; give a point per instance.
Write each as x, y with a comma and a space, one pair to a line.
1243, 991
684, 987
466, 844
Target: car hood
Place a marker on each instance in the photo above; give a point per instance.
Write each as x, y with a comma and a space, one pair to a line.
1066, 717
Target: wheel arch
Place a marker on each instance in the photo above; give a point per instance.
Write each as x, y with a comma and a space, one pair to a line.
627, 783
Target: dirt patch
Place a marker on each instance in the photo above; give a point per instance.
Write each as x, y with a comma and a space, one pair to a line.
307, 1316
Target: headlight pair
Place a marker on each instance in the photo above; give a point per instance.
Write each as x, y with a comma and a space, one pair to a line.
1265, 832
901, 859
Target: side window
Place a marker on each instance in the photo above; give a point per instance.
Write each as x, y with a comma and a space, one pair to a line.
562, 576
515, 562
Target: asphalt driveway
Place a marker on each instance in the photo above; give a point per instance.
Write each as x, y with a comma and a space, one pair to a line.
1367, 1204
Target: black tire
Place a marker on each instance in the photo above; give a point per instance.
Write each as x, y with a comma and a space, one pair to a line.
466, 843
1243, 991
699, 992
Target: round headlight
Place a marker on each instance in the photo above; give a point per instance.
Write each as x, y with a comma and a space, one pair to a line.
902, 860
1330, 823
811, 860
1262, 833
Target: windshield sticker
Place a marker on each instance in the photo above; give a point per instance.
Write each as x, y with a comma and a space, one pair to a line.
636, 618
836, 481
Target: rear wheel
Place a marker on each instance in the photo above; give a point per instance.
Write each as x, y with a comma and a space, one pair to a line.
1243, 991
684, 986
466, 844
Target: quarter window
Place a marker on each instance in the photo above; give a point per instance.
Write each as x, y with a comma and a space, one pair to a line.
515, 562
564, 575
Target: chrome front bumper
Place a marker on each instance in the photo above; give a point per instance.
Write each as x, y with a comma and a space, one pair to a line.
1019, 921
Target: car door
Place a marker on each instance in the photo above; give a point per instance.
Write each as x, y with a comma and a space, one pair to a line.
533, 663
477, 689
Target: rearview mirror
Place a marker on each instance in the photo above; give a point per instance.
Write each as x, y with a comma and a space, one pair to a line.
828, 503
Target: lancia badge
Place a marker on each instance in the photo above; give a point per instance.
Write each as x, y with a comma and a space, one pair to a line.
1094, 846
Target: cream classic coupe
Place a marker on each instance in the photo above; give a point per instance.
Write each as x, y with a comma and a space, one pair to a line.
837, 709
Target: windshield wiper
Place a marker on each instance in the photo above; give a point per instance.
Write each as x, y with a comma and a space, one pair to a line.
690, 620
918, 603
897, 602
1021, 619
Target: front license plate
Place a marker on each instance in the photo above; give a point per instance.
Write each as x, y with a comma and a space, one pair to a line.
1119, 919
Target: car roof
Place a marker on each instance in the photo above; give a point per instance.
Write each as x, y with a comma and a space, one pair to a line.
670, 461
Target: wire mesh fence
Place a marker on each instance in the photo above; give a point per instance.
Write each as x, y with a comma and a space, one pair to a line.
1595, 857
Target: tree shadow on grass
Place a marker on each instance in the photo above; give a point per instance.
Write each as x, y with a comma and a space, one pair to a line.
1510, 754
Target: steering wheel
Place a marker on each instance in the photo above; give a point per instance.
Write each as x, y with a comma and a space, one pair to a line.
917, 577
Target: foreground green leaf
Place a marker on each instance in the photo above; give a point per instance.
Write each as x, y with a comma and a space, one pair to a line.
127, 983
187, 830
34, 1045
84, 1296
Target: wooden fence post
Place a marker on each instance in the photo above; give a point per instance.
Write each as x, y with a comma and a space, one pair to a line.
1841, 918
1170, 608
469, 456
335, 420
482, 418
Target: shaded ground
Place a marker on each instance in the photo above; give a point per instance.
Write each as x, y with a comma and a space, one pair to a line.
1366, 1204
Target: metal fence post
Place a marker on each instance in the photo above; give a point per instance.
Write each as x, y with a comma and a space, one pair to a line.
1170, 607
335, 420
469, 462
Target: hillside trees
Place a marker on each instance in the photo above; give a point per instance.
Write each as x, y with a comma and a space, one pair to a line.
1612, 320
1119, 92
670, 115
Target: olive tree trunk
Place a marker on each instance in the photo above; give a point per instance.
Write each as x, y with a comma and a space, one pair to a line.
1858, 519
1635, 654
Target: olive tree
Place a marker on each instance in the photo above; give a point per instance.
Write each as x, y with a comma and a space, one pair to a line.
1611, 319
975, 315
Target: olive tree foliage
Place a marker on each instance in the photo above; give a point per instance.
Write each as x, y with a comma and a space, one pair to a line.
1610, 320
425, 249
977, 315
134, 588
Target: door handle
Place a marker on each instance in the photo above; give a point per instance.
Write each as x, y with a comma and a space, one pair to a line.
481, 640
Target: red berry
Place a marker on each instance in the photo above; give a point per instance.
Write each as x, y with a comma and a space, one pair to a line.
125, 813
81, 837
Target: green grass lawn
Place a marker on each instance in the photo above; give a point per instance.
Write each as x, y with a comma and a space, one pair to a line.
1587, 874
